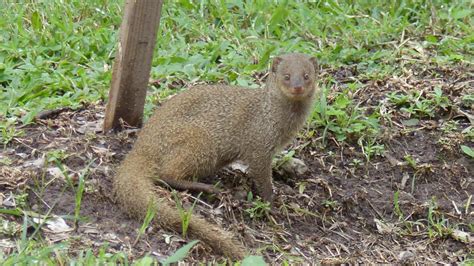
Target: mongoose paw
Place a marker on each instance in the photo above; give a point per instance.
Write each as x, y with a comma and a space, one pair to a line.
267, 198
267, 195
214, 190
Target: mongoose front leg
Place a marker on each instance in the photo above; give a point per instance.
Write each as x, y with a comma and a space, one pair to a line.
260, 171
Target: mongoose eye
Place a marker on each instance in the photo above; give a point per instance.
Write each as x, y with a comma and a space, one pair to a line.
287, 77
306, 76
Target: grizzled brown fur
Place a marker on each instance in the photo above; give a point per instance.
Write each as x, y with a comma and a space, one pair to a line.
199, 131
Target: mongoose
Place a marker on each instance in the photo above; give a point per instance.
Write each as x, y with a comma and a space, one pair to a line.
197, 132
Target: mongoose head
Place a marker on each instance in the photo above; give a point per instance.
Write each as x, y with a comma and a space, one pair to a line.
295, 75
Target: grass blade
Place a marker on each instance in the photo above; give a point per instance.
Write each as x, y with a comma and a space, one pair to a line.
180, 254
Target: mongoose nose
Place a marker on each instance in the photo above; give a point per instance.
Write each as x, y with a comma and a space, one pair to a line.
297, 90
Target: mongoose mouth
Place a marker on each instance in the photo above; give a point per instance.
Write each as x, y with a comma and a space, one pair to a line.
297, 91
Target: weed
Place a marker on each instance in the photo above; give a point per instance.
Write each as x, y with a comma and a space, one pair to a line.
56, 156
179, 254
281, 159
439, 100
343, 118
8, 131
468, 100
21, 200
411, 161
419, 169
183, 213
468, 133
438, 227
468, 151
78, 197
420, 104
8, 228
371, 148
412, 227
330, 204
87, 257
34, 253
466, 208
79, 191
150, 214
253, 260
356, 163
56, 254
259, 209
5, 161
396, 205
301, 187
449, 126
469, 261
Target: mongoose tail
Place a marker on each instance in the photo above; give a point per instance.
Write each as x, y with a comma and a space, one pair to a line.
134, 191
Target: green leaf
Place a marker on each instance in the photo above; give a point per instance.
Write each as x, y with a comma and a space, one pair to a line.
16, 212
253, 261
180, 254
145, 261
431, 39
461, 13
250, 196
262, 64
278, 17
36, 21
467, 150
342, 101
410, 122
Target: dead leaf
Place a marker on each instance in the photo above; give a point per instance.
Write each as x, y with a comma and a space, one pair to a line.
37, 163
12, 178
294, 167
239, 166
405, 178
91, 126
58, 225
462, 236
384, 227
55, 172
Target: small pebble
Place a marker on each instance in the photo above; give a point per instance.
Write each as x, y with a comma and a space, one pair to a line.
405, 256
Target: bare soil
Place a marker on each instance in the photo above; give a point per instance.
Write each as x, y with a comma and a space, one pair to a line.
338, 212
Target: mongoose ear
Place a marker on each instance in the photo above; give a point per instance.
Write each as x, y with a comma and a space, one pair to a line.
314, 61
276, 61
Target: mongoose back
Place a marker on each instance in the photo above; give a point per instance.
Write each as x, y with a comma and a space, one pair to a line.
197, 132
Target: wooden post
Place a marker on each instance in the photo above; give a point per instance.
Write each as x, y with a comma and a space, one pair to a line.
131, 69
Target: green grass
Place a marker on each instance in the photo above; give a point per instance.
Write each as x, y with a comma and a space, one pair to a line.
150, 214
343, 118
55, 53
415, 103
57, 254
259, 209
184, 214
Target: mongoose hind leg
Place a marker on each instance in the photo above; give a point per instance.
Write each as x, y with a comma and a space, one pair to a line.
190, 185
191, 157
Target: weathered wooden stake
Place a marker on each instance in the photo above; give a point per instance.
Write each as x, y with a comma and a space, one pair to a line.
132, 65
